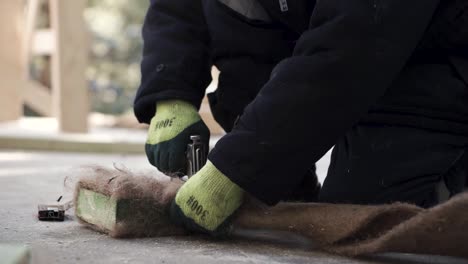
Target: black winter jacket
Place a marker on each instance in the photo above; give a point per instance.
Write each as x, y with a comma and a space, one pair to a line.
310, 71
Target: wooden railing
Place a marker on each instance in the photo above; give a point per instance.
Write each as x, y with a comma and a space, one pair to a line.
66, 42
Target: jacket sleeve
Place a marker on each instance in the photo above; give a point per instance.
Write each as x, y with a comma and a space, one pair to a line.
176, 60
341, 65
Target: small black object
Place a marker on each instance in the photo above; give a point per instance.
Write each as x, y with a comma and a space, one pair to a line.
51, 212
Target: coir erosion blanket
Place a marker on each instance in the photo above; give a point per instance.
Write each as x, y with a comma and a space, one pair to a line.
123, 204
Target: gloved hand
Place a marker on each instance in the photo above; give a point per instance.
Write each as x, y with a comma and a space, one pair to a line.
206, 201
169, 134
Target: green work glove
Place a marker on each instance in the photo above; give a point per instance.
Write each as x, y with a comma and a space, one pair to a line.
206, 202
169, 134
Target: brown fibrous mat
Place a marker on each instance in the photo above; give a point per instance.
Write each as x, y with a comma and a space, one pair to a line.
350, 230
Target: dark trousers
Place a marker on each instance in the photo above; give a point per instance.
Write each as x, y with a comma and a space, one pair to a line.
384, 164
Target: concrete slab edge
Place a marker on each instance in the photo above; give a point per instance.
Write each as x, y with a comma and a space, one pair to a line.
43, 144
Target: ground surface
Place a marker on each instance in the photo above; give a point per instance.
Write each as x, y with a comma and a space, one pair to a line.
30, 178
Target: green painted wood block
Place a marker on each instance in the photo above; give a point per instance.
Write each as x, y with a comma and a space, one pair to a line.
14, 254
97, 209
122, 204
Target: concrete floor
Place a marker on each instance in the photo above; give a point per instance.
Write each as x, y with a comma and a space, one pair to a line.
30, 178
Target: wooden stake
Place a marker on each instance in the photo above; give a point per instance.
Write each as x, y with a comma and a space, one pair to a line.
11, 66
69, 89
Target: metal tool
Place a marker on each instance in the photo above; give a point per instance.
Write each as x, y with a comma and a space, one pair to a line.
196, 155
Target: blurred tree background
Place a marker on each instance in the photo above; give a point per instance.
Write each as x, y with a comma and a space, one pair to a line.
113, 73
115, 54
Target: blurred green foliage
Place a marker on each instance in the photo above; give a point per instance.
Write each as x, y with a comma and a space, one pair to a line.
115, 54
